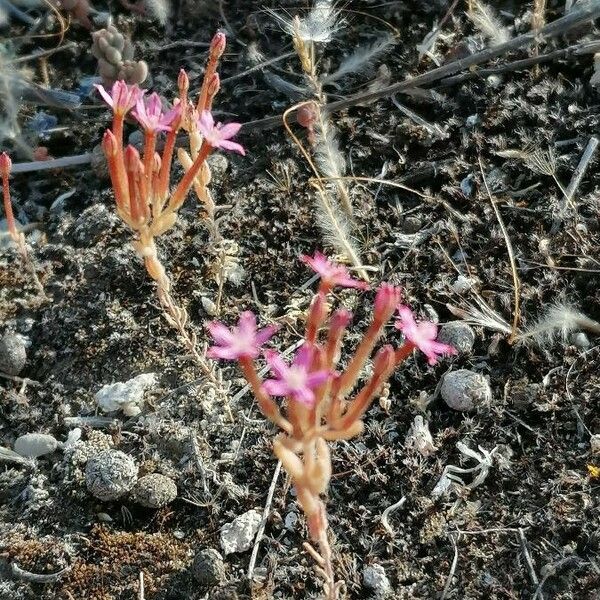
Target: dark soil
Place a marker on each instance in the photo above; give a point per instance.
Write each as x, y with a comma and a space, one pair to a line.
103, 324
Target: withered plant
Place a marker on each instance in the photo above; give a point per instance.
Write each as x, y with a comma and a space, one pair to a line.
310, 35
145, 199
17, 236
322, 404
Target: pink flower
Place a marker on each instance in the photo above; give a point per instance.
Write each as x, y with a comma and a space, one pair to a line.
242, 341
149, 113
423, 335
122, 97
295, 381
219, 135
331, 273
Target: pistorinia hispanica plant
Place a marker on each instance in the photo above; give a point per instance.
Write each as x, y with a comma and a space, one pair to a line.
145, 199
323, 404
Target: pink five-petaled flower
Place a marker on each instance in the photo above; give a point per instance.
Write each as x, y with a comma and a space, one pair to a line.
331, 273
423, 335
295, 381
219, 135
149, 113
243, 340
122, 97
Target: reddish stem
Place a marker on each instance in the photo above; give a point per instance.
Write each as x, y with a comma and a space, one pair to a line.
266, 404
10, 217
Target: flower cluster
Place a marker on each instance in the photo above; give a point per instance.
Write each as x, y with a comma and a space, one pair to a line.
141, 183
322, 403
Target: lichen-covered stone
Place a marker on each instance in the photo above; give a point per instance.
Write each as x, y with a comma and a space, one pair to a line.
154, 491
13, 354
110, 474
458, 335
375, 579
465, 390
208, 568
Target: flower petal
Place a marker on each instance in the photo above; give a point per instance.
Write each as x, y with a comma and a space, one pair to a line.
220, 333
229, 130
276, 387
233, 146
265, 334
105, 95
276, 364
304, 395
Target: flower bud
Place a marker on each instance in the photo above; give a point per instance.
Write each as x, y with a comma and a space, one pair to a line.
386, 300
384, 361
214, 85
133, 164
217, 45
5, 165
183, 82
307, 115
109, 144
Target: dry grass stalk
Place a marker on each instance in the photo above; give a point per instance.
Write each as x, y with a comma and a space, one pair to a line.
538, 20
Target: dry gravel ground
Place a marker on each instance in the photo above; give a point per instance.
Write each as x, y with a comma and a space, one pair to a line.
528, 531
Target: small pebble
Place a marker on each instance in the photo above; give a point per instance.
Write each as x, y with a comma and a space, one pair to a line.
238, 536
110, 474
208, 568
374, 578
13, 355
465, 390
35, 444
595, 444
154, 491
458, 335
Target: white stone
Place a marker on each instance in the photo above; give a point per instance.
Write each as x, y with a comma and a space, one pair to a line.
374, 578
33, 445
595, 443
127, 397
238, 536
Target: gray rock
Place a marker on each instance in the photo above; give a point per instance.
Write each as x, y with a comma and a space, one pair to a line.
458, 335
154, 491
110, 474
374, 578
35, 444
465, 390
208, 568
238, 535
13, 354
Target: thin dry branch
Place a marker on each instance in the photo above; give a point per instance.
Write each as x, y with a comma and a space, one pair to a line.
511, 258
